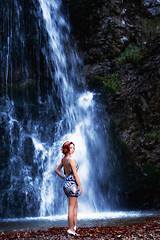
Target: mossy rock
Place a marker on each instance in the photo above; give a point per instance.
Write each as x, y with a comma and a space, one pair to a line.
154, 135
132, 54
150, 28
97, 81
110, 83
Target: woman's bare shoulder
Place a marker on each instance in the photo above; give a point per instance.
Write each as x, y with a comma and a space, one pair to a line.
63, 159
72, 160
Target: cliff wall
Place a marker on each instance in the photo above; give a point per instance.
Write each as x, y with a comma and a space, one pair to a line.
120, 42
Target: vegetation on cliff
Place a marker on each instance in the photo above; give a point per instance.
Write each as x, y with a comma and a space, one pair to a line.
124, 38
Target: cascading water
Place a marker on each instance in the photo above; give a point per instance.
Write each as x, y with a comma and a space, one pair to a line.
38, 120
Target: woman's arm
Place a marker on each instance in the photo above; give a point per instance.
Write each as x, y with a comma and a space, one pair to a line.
58, 170
73, 166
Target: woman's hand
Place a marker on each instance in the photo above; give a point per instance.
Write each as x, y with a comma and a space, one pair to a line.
58, 170
80, 190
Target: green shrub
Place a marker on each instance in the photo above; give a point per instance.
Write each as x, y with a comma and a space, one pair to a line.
97, 81
132, 54
109, 82
112, 83
153, 135
150, 28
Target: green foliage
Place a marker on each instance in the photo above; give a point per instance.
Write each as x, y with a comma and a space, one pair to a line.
153, 135
97, 81
110, 82
150, 28
132, 54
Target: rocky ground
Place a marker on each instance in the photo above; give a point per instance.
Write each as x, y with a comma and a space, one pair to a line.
147, 230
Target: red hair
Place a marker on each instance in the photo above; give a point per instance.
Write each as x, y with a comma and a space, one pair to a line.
66, 147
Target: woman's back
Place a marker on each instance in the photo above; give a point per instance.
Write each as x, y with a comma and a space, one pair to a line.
66, 165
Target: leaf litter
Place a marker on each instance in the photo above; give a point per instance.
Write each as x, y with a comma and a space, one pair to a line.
147, 230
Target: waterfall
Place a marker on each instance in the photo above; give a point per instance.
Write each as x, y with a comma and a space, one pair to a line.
45, 113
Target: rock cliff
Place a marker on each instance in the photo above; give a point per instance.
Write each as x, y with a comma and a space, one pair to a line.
120, 42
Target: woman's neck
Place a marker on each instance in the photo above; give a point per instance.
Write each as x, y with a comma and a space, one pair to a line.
68, 155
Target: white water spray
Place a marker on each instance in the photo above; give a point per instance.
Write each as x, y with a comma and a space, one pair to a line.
35, 122
79, 123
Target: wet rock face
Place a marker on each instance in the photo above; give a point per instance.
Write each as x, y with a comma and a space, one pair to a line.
104, 28
110, 27
136, 110
152, 6
99, 31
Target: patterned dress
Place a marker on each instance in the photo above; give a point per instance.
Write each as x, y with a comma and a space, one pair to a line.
70, 186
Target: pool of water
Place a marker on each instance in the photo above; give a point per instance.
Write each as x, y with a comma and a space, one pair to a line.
84, 220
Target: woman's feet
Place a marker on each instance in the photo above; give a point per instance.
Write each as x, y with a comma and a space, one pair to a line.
75, 228
72, 232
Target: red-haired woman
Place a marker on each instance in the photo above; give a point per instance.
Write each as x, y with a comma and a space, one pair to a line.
72, 186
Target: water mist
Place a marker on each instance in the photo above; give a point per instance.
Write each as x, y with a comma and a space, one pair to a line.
47, 110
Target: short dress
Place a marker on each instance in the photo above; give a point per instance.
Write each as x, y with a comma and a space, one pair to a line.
70, 186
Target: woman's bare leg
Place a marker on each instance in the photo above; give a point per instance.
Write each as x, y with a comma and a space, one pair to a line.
72, 205
75, 214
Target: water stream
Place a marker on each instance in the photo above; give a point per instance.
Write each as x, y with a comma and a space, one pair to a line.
89, 220
45, 112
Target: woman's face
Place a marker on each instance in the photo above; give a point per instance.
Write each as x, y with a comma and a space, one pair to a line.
72, 148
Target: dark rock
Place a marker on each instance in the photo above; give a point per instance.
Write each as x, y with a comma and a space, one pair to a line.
152, 6
135, 111
28, 151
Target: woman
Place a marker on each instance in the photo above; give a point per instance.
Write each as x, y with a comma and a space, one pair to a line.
72, 186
